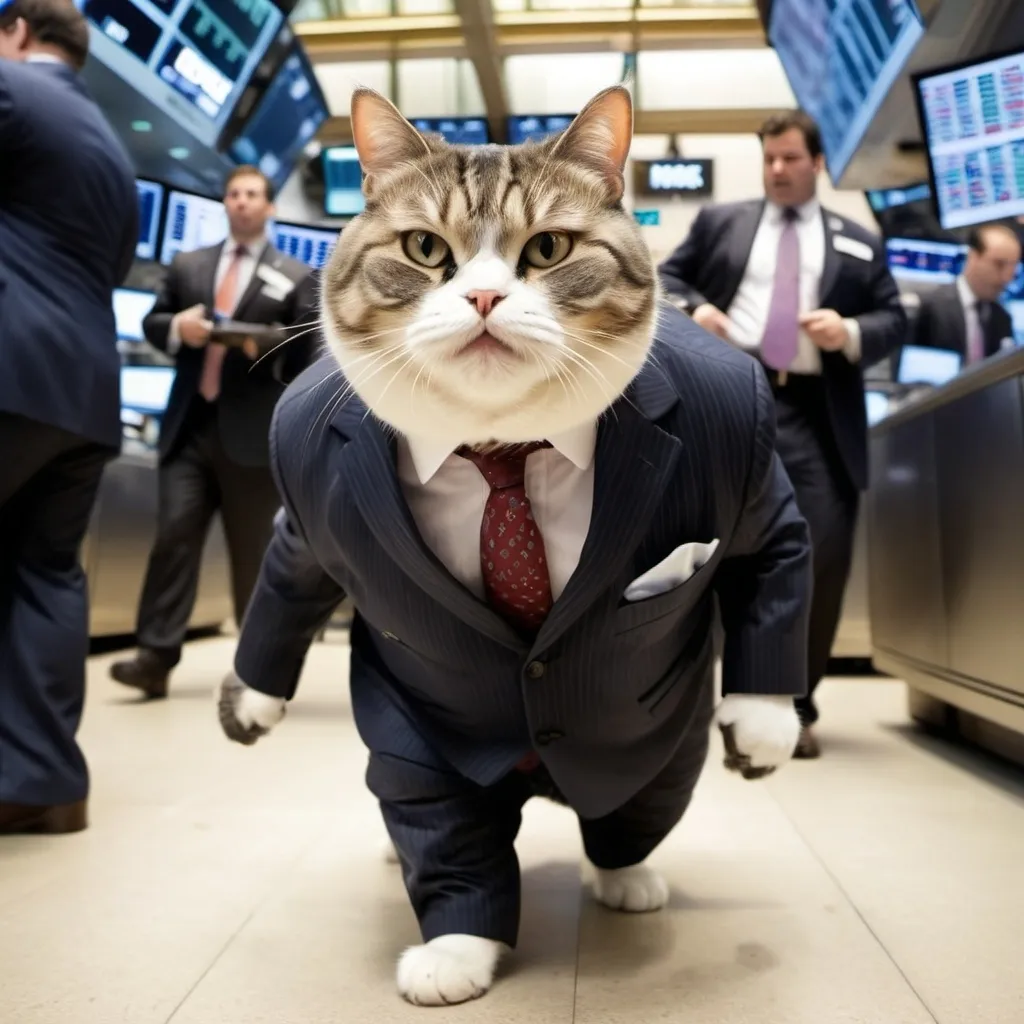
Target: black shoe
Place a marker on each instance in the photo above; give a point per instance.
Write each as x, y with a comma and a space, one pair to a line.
807, 748
147, 672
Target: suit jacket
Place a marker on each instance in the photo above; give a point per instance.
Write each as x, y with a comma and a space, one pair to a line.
941, 323
709, 267
68, 229
249, 390
608, 688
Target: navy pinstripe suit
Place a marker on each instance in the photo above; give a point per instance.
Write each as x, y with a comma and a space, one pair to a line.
615, 696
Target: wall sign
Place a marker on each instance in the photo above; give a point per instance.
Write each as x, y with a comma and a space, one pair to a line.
674, 176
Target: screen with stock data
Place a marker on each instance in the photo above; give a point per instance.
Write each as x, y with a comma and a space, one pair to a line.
536, 127
309, 245
841, 58
191, 58
151, 206
192, 222
974, 125
459, 131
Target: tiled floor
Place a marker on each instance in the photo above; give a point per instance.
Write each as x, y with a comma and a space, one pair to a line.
225, 885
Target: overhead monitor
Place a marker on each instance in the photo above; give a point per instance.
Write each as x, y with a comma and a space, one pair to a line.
151, 208
146, 389
343, 182
309, 245
922, 365
464, 131
883, 199
191, 58
192, 222
841, 59
536, 127
973, 121
131, 307
924, 262
286, 118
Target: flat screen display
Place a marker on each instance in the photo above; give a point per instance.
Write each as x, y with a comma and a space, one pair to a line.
973, 118
459, 131
151, 208
191, 58
309, 245
343, 182
131, 307
286, 118
192, 222
536, 127
924, 262
877, 405
922, 365
883, 199
841, 58
146, 389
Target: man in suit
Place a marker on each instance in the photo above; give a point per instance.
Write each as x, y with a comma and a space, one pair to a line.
966, 317
67, 239
810, 295
213, 441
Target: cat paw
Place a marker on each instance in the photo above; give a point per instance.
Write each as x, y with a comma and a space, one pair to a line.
388, 852
449, 969
760, 733
636, 890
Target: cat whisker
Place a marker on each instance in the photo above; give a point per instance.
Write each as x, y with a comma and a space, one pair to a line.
599, 348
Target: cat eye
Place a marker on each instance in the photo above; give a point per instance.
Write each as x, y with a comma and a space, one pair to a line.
547, 249
425, 248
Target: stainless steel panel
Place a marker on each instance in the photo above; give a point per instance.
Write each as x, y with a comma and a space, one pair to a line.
853, 638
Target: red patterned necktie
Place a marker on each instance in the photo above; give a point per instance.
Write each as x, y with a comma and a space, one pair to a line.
512, 557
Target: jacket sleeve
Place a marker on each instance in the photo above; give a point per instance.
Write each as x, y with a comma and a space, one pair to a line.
157, 324
294, 597
883, 327
764, 581
680, 271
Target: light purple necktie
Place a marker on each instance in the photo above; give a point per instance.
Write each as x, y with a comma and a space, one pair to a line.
781, 332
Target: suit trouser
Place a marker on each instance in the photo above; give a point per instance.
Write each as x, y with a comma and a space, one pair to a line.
196, 482
456, 839
48, 485
828, 501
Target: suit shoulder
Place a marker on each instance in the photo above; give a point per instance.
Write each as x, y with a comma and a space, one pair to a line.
725, 212
295, 269
311, 405
845, 226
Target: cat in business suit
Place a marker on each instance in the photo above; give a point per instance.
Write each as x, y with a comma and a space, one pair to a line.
546, 631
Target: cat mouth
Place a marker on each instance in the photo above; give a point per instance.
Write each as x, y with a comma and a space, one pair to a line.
486, 344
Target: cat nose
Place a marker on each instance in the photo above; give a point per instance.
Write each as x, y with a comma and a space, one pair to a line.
484, 301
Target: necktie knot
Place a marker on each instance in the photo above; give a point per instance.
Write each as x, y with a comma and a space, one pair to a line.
503, 467
790, 214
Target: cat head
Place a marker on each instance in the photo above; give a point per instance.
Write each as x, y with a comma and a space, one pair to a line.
490, 293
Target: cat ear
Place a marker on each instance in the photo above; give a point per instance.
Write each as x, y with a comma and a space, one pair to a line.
383, 138
600, 136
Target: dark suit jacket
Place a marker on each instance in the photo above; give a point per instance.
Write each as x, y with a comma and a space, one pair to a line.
608, 689
68, 230
941, 323
249, 390
709, 267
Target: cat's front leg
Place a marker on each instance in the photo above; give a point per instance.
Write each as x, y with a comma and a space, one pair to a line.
760, 733
449, 969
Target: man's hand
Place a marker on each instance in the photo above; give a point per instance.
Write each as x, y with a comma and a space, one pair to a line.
246, 714
251, 349
760, 733
193, 327
713, 319
825, 327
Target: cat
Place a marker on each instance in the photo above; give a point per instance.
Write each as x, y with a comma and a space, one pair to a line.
498, 295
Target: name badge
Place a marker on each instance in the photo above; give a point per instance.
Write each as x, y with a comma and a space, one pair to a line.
274, 280
853, 247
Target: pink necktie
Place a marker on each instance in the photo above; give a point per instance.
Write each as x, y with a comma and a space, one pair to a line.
224, 303
781, 332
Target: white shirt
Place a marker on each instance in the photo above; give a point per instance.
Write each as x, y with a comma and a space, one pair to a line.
969, 302
749, 309
447, 495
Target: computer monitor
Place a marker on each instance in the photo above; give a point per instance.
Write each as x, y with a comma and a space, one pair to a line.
841, 60
465, 131
131, 307
151, 208
146, 389
877, 406
192, 222
309, 245
536, 127
923, 262
343, 182
285, 119
922, 365
882, 200
191, 58
972, 116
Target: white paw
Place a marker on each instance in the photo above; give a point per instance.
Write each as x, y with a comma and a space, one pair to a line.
388, 852
255, 708
636, 889
449, 969
766, 729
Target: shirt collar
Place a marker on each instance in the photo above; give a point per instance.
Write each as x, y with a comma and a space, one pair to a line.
429, 454
43, 58
255, 250
967, 297
805, 213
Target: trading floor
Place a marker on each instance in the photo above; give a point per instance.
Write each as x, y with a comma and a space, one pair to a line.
230, 885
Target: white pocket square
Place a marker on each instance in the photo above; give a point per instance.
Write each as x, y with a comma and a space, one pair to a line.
671, 572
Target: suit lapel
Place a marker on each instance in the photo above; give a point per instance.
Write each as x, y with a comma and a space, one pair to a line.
253, 287
207, 275
957, 320
833, 262
741, 244
370, 474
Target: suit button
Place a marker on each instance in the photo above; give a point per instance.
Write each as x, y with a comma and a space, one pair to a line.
546, 736
535, 669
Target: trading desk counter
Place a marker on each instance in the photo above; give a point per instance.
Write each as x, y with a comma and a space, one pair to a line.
945, 526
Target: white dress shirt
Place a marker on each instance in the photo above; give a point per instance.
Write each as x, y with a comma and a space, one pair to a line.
447, 495
749, 309
975, 331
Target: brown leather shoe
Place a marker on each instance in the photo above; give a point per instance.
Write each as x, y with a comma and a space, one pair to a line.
60, 819
807, 748
147, 672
